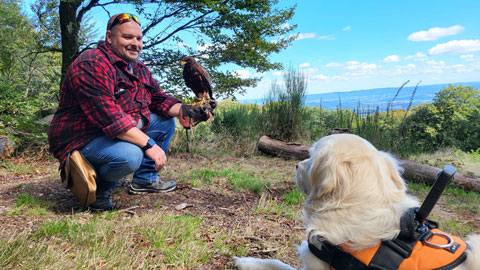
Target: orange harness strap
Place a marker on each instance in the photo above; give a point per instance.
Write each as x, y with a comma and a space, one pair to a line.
423, 257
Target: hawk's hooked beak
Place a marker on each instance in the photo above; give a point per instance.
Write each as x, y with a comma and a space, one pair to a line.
183, 62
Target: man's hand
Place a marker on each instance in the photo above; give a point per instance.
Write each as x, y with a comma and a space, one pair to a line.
191, 115
157, 154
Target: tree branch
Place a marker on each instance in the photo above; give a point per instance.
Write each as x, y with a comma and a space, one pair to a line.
84, 10
187, 25
156, 22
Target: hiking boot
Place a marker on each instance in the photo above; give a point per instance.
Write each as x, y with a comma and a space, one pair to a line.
103, 202
157, 186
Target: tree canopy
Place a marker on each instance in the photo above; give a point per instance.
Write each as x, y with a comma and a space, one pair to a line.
223, 35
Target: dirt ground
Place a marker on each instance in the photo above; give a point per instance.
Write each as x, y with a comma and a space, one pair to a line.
218, 206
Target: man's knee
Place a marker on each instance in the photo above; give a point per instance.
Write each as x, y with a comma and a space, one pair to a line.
130, 158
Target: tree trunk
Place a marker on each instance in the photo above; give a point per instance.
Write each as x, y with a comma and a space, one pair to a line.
418, 172
413, 171
70, 28
283, 149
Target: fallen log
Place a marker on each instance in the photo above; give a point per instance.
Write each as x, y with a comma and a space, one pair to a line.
283, 149
413, 171
418, 172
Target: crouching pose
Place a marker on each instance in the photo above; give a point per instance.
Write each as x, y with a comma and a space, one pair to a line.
114, 113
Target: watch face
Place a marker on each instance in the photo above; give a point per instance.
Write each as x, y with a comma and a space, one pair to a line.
149, 144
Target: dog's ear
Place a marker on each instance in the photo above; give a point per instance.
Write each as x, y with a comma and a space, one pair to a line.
330, 176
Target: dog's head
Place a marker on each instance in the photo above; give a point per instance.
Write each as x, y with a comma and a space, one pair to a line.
339, 163
347, 180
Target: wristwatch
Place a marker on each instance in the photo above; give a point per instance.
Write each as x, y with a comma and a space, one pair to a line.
149, 145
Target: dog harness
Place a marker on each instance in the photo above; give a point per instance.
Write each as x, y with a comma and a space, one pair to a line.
422, 247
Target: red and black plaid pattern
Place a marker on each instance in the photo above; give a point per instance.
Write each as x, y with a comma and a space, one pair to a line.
99, 96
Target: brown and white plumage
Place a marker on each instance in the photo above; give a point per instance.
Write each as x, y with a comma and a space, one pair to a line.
197, 79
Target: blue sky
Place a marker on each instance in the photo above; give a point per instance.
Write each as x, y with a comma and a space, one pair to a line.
352, 45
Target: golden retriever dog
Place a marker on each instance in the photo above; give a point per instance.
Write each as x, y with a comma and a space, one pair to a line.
355, 196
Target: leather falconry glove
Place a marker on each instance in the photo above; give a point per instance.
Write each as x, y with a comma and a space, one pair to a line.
191, 115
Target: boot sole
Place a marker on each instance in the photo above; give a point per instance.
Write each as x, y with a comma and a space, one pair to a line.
133, 191
94, 209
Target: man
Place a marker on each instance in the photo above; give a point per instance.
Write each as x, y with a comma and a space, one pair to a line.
113, 111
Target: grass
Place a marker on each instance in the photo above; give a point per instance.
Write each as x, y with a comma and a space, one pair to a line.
455, 200
238, 180
466, 163
290, 207
295, 197
109, 242
455, 227
33, 205
163, 238
458, 194
26, 167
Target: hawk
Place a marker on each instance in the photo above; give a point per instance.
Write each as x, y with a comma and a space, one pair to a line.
197, 79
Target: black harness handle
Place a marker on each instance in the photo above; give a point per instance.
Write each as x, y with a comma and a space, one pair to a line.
444, 177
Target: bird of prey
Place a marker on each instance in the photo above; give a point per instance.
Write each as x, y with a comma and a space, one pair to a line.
197, 79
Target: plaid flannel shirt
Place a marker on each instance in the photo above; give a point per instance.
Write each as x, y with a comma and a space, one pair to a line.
100, 97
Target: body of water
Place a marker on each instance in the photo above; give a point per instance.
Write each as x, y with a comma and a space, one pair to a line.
369, 99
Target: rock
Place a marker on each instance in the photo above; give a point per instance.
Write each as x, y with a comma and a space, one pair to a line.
6, 147
181, 206
46, 120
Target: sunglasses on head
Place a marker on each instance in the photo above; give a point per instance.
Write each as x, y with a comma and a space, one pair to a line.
123, 18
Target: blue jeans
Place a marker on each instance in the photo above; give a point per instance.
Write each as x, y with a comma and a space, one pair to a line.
114, 159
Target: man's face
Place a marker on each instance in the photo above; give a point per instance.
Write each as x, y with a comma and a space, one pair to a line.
125, 40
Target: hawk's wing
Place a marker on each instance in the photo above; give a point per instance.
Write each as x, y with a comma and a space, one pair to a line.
197, 79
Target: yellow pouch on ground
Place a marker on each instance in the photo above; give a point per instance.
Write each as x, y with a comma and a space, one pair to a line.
80, 178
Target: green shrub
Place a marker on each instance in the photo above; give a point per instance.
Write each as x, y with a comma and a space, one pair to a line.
283, 114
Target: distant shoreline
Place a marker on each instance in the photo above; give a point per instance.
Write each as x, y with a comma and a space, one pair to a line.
369, 99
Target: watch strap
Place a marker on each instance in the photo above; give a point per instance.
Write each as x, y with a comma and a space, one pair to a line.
150, 144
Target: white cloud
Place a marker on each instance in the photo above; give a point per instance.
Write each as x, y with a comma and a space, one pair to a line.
333, 64
444, 68
278, 73
456, 46
441, 67
419, 56
354, 65
243, 73
347, 28
435, 63
301, 36
435, 33
310, 71
391, 58
409, 66
320, 77
302, 65
327, 37
467, 57
409, 69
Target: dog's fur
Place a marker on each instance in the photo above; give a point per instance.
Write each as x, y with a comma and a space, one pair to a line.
354, 195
